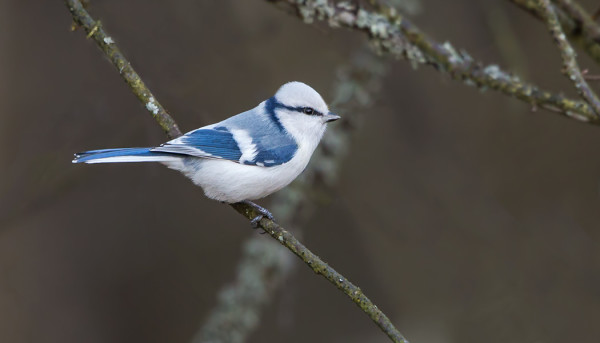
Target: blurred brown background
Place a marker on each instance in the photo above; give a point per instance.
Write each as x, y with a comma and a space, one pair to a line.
464, 216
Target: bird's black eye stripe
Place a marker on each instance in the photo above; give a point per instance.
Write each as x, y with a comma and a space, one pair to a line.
310, 111
273, 103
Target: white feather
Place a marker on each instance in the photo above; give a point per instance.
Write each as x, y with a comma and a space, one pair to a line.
232, 182
117, 159
244, 142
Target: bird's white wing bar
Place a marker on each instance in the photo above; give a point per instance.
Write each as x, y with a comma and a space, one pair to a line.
245, 145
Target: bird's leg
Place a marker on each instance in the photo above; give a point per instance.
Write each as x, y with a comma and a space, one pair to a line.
263, 213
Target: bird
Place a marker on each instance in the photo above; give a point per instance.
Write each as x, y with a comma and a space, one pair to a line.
244, 157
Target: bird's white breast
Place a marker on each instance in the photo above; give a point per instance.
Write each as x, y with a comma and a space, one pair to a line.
232, 182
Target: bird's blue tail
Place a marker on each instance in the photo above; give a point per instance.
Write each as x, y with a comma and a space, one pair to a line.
124, 155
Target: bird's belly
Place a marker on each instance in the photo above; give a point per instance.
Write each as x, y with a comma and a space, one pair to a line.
232, 182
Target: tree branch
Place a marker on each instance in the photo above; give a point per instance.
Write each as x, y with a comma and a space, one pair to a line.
107, 45
570, 66
264, 265
585, 24
395, 35
322, 268
575, 24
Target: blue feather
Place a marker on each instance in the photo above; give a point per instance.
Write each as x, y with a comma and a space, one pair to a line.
272, 143
91, 155
215, 143
275, 156
273, 146
270, 105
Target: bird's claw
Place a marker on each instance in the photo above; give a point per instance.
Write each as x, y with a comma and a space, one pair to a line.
263, 213
255, 220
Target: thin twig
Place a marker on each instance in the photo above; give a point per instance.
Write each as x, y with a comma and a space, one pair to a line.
590, 77
570, 66
585, 35
581, 17
107, 45
396, 35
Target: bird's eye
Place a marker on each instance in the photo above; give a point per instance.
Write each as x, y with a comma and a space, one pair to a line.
308, 110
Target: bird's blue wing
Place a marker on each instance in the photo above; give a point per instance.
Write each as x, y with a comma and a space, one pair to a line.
274, 150
206, 143
255, 137
264, 148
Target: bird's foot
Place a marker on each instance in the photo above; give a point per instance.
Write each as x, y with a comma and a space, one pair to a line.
263, 213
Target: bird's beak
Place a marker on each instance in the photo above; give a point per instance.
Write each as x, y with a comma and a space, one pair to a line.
330, 117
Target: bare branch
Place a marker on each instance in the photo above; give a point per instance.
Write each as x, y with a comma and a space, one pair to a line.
107, 45
570, 66
397, 36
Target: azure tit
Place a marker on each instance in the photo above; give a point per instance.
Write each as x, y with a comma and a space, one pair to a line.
245, 157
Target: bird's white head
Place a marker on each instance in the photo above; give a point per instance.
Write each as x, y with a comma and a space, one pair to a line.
302, 111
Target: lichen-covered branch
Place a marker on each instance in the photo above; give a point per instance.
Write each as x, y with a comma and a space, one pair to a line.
576, 23
585, 23
264, 265
570, 66
393, 34
322, 268
107, 45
